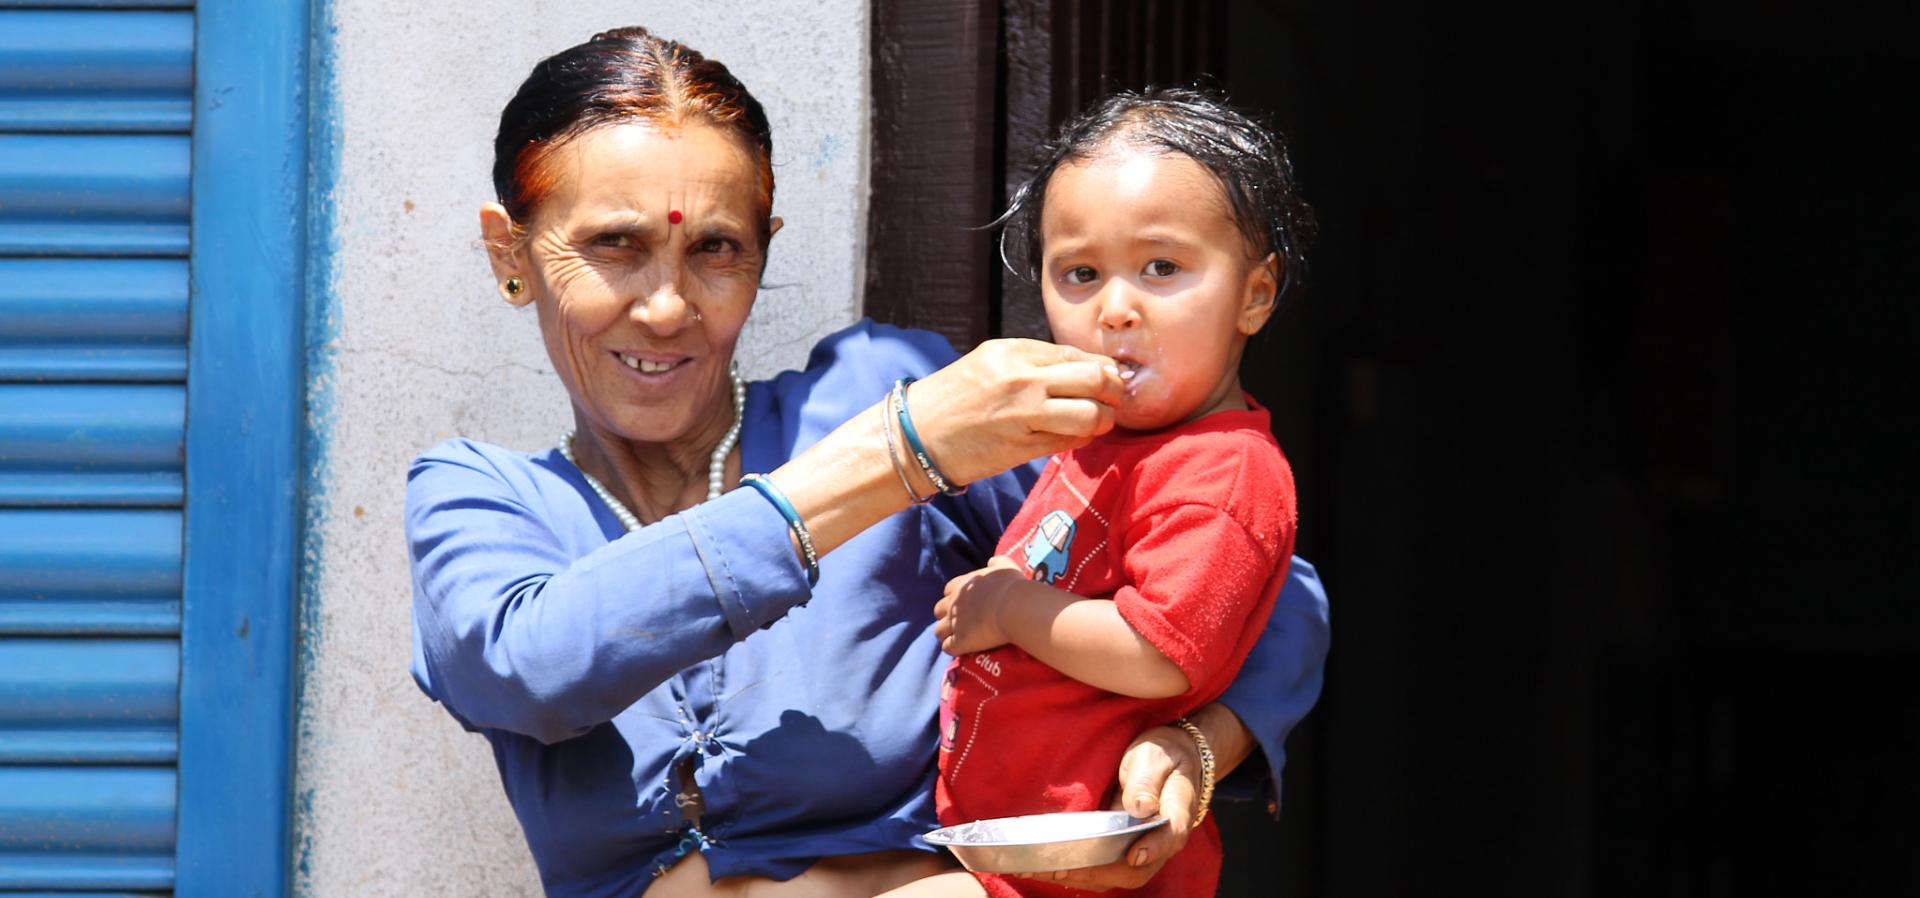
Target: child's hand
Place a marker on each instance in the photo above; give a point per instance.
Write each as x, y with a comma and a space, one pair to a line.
967, 618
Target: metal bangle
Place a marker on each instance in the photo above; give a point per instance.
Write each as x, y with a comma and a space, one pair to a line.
918, 448
893, 451
1206, 766
799, 527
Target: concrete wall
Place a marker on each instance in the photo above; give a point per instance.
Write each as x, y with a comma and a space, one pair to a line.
409, 344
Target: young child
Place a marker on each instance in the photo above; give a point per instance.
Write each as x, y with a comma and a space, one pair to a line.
1163, 229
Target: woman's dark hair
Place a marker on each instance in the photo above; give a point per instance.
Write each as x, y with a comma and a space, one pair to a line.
1248, 158
626, 74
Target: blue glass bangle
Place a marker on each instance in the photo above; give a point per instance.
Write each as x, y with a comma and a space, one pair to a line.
920, 455
799, 527
887, 428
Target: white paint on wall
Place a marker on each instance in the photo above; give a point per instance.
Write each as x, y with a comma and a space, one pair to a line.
416, 346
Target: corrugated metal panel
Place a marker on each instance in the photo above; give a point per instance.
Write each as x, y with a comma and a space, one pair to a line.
86, 827
89, 571
74, 70
93, 362
93, 444
96, 4
89, 894
12, 894
89, 701
98, 195
93, 319
86, 809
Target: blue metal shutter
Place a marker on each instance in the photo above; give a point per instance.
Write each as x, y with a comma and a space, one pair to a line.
95, 147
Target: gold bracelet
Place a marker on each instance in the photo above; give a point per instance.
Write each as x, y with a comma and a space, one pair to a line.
1206, 766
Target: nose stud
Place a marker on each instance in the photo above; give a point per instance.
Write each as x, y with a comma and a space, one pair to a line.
693, 314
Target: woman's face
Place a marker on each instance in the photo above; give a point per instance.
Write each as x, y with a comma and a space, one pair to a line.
643, 261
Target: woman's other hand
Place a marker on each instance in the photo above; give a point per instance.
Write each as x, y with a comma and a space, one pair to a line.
967, 617
1160, 774
1011, 401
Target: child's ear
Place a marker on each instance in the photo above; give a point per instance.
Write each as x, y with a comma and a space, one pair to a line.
503, 254
1262, 292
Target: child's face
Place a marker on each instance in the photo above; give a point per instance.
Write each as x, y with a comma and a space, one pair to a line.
1141, 261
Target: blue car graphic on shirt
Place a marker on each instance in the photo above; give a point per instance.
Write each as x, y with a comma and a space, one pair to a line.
1047, 550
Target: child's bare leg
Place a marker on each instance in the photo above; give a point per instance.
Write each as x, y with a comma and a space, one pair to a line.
952, 884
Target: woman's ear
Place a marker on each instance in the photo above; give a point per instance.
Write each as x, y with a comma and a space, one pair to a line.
774, 224
503, 254
1263, 291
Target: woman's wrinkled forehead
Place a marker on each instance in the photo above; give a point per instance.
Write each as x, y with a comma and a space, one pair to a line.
621, 76
620, 163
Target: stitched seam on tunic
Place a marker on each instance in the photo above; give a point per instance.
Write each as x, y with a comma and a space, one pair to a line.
736, 612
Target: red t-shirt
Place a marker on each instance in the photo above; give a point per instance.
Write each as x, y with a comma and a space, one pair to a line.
1189, 531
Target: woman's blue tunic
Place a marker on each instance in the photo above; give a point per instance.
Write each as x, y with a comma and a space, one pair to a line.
599, 663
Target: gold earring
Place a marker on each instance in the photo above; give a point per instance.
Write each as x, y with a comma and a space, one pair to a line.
515, 286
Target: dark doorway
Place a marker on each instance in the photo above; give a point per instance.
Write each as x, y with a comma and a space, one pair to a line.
1595, 401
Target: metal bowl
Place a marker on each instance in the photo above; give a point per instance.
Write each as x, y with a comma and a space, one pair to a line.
1042, 843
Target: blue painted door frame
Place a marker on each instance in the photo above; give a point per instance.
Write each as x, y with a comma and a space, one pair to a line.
245, 398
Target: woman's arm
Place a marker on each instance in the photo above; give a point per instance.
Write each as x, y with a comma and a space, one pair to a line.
1004, 403
513, 632
1280, 680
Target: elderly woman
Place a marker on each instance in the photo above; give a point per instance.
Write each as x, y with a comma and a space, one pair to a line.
696, 688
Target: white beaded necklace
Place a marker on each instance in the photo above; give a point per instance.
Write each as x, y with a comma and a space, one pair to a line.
716, 464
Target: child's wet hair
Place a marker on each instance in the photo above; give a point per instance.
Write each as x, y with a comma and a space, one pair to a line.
1249, 159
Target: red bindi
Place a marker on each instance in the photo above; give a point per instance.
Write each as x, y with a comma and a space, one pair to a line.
674, 217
